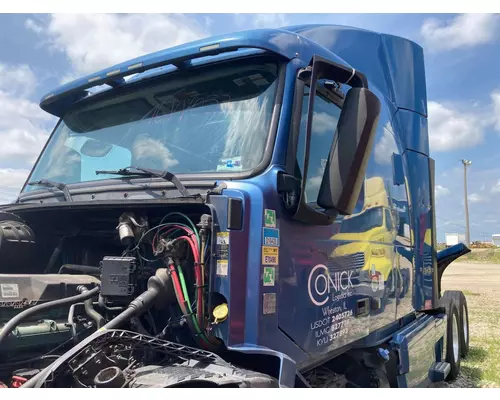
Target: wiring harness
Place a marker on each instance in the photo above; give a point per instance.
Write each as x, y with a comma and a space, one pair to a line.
170, 240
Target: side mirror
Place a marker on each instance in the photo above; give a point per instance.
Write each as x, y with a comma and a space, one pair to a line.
346, 166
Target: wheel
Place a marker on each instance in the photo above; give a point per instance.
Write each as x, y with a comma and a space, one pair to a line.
463, 312
464, 316
452, 350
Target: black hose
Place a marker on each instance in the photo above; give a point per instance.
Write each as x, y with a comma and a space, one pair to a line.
11, 325
84, 269
103, 305
138, 306
55, 254
71, 323
157, 286
157, 289
89, 309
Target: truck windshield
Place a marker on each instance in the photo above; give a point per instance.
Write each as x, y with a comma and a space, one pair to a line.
210, 120
372, 218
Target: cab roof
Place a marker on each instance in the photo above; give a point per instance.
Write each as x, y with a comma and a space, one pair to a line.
394, 65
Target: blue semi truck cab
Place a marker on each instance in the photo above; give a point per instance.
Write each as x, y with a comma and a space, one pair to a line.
252, 209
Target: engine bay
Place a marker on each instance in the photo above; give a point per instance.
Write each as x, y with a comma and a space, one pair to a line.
108, 297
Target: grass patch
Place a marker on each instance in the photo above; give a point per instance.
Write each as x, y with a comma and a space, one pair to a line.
477, 354
469, 293
482, 366
482, 255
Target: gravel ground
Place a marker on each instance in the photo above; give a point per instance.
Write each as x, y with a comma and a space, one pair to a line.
481, 286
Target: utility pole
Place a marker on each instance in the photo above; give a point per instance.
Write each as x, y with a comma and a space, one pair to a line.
466, 163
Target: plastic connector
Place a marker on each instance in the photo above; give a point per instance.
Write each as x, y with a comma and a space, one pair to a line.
205, 225
205, 222
383, 354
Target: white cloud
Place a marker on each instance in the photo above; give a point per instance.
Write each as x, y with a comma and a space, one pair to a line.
441, 191
17, 80
384, 149
324, 123
496, 187
12, 178
477, 198
450, 129
22, 122
96, 41
11, 181
464, 30
261, 20
153, 150
33, 26
22, 132
495, 99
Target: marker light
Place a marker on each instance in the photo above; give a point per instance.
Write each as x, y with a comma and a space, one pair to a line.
210, 47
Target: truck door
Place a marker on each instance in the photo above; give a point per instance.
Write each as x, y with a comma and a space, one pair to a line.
329, 296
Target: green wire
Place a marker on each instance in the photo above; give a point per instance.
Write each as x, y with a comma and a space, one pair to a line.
181, 274
188, 220
186, 297
184, 287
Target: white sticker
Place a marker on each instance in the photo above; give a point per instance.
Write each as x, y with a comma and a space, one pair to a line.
230, 164
222, 267
269, 303
9, 290
222, 238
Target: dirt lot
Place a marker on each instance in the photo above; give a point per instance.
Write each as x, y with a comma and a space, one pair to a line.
481, 284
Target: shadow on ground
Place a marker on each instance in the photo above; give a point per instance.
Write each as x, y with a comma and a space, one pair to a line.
476, 354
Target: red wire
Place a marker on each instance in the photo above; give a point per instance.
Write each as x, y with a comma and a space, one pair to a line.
197, 272
180, 297
177, 287
170, 229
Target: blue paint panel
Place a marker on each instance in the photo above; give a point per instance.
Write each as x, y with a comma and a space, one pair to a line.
412, 131
417, 172
394, 65
270, 237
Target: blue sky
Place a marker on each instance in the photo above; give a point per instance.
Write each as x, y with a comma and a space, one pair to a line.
462, 51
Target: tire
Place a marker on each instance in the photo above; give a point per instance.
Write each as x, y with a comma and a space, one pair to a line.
452, 350
464, 315
463, 312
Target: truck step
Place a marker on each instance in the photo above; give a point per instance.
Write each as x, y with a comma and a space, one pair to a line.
439, 371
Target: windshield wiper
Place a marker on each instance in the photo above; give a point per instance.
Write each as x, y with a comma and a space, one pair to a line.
57, 185
139, 171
